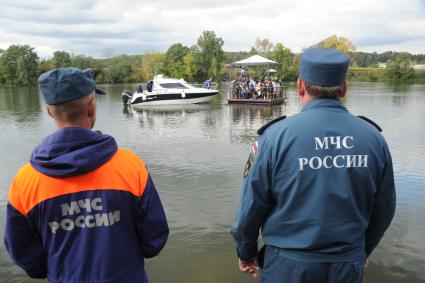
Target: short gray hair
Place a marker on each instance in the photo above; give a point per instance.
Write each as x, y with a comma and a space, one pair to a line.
71, 111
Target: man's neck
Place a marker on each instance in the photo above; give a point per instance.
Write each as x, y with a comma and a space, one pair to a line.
62, 125
307, 98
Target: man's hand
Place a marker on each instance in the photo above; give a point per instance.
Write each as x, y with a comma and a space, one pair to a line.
250, 267
366, 263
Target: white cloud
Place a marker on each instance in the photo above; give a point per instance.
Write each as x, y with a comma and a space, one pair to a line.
90, 26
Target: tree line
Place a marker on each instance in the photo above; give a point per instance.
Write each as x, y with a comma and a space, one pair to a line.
21, 65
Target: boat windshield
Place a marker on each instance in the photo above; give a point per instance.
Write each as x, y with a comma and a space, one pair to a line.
173, 85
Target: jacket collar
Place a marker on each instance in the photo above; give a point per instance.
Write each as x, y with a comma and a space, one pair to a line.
324, 103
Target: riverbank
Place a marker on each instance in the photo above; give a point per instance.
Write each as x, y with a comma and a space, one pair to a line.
380, 75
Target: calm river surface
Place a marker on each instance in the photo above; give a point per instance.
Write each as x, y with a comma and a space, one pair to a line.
196, 156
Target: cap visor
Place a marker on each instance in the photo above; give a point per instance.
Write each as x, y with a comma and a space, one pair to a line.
99, 91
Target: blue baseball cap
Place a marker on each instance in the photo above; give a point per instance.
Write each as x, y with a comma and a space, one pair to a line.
66, 84
324, 66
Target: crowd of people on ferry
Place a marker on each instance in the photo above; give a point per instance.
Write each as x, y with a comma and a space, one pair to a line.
244, 87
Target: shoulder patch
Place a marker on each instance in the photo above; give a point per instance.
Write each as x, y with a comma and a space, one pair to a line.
248, 165
371, 122
251, 158
263, 128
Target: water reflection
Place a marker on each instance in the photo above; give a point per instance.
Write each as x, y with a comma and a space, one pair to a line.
400, 87
247, 119
168, 115
256, 113
21, 103
126, 111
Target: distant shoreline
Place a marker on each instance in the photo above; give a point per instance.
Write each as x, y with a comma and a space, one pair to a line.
379, 75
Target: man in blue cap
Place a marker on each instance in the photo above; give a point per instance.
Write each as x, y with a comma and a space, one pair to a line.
319, 185
82, 210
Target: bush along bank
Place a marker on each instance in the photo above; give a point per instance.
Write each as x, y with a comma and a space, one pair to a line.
381, 75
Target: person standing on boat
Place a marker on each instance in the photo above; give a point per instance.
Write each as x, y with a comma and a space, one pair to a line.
149, 86
251, 88
139, 88
319, 185
207, 83
82, 210
235, 89
258, 88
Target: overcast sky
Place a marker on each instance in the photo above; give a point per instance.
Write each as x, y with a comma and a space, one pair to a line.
133, 27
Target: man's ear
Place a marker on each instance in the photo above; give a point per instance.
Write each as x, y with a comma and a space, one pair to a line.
300, 87
49, 111
91, 107
344, 89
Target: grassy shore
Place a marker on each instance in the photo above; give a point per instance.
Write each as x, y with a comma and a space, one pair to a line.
379, 75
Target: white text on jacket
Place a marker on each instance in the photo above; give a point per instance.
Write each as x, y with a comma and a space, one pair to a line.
333, 143
84, 213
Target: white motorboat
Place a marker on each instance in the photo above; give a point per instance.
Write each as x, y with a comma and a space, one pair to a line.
168, 91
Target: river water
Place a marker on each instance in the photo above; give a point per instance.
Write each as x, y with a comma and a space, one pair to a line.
196, 156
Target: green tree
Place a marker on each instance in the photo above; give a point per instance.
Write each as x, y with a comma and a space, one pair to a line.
119, 69
386, 56
100, 79
174, 65
400, 68
117, 73
150, 64
358, 59
253, 51
3, 77
210, 55
20, 65
295, 68
61, 59
189, 67
83, 62
284, 57
339, 43
45, 65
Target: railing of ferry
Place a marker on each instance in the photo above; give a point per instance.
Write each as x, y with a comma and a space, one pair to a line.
266, 92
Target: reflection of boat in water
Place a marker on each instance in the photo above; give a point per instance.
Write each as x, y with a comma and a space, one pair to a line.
175, 108
168, 91
175, 116
164, 110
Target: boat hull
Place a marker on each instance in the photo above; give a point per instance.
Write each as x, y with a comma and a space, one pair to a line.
172, 99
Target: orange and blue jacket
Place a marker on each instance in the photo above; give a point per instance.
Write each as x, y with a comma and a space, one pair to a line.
83, 210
